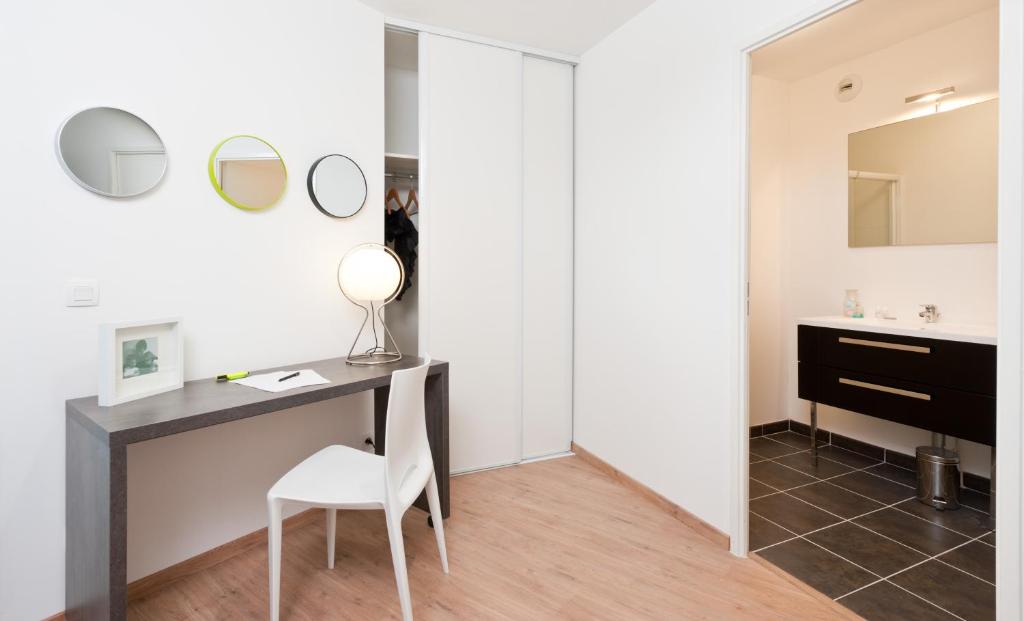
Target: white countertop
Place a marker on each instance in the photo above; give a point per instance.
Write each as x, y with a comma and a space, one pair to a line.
966, 333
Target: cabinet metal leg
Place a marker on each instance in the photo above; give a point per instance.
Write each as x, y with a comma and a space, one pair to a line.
814, 431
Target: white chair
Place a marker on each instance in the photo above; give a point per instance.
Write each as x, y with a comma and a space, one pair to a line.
339, 477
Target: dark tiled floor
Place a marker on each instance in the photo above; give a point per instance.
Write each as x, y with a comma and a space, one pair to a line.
836, 500
883, 601
764, 533
921, 535
760, 489
792, 514
871, 551
778, 476
768, 449
849, 526
821, 468
975, 558
894, 473
965, 521
952, 589
854, 460
818, 567
876, 488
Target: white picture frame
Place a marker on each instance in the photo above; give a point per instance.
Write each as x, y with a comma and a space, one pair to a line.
139, 359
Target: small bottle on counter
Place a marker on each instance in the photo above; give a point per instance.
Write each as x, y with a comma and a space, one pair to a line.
851, 304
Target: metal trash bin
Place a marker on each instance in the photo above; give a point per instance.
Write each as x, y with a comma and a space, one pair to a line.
938, 477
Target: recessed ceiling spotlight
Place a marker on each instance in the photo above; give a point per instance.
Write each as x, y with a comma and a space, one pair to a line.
930, 96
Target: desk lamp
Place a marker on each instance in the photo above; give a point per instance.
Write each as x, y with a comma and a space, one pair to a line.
370, 276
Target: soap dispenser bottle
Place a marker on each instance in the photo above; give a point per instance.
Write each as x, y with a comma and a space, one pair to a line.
851, 305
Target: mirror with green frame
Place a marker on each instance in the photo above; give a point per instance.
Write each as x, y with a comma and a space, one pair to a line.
248, 172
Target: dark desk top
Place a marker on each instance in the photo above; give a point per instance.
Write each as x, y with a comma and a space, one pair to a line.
202, 403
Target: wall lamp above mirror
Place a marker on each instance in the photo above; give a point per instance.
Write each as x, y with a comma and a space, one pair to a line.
247, 172
337, 186
111, 152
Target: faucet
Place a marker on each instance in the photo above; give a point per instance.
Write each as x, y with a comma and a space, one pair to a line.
930, 313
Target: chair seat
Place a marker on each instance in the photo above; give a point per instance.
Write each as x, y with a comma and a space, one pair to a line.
337, 476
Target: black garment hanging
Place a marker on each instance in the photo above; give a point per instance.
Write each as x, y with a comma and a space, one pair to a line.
402, 234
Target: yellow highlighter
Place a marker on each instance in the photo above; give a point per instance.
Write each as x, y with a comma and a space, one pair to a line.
227, 377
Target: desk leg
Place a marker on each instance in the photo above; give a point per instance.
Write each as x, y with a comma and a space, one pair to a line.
437, 433
96, 523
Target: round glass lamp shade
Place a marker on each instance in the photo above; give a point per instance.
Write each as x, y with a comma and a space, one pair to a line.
370, 273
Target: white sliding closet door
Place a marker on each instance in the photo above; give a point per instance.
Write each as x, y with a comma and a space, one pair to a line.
547, 256
471, 143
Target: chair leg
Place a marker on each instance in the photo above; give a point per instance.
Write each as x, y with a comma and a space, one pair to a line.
434, 501
274, 556
394, 520
332, 521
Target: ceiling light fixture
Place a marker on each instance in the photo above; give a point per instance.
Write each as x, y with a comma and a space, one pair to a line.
931, 96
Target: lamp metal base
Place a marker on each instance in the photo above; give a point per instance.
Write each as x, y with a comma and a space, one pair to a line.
379, 357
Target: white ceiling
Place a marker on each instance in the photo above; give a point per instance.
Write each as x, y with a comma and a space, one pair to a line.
865, 27
566, 26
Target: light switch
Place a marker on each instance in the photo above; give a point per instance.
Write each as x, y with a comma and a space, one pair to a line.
83, 292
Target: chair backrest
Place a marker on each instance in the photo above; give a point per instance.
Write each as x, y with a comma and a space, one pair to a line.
406, 450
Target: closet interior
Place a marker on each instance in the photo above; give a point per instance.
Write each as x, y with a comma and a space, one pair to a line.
401, 179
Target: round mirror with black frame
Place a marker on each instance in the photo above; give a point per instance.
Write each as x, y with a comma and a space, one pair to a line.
337, 186
111, 152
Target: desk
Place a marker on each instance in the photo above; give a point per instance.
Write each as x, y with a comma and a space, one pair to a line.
96, 502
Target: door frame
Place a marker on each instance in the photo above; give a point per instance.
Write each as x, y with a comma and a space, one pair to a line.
1010, 430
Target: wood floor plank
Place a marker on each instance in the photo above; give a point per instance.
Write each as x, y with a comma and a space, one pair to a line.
555, 539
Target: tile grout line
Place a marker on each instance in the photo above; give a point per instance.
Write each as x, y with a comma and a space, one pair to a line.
797, 536
850, 520
864, 469
935, 523
929, 558
949, 612
826, 479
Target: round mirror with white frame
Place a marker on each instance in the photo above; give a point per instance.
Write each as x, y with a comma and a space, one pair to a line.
111, 152
337, 186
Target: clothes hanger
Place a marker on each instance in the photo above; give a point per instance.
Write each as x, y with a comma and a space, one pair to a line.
392, 195
413, 199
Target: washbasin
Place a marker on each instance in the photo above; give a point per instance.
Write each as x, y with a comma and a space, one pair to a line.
968, 333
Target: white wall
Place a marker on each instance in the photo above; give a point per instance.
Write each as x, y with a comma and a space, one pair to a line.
402, 92
817, 264
547, 223
657, 245
255, 289
769, 138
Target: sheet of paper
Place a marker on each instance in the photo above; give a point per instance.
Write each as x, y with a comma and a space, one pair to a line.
270, 382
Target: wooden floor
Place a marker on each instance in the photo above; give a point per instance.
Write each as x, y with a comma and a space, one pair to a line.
549, 540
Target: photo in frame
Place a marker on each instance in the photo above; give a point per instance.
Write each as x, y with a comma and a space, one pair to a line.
139, 359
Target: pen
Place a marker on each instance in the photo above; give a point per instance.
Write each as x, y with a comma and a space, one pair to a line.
287, 377
232, 376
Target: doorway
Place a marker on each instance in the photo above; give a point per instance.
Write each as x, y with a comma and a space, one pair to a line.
784, 438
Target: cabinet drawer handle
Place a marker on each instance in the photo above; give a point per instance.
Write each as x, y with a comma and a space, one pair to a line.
883, 345
889, 389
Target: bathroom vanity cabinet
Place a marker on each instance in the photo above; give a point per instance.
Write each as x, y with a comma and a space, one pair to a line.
943, 381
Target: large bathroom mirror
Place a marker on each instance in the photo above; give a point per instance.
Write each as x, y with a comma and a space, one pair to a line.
247, 172
111, 152
337, 186
927, 180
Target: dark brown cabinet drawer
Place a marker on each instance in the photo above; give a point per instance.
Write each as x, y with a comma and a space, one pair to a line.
958, 413
968, 367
